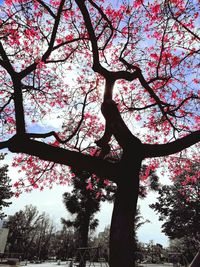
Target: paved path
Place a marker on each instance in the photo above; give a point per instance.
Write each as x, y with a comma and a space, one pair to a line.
94, 264
67, 264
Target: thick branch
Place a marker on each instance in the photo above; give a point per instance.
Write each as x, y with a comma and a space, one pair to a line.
103, 142
171, 148
118, 127
107, 20
79, 161
90, 30
4, 144
54, 31
97, 67
5, 63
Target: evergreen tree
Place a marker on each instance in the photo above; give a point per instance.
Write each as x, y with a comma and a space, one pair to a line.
84, 202
5, 188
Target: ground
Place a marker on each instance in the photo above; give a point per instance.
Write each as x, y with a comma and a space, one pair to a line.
67, 264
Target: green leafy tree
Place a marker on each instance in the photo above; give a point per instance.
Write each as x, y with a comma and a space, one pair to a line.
5, 188
21, 225
178, 205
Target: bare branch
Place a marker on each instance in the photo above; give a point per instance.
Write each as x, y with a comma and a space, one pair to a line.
182, 24
47, 8
183, 102
33, 66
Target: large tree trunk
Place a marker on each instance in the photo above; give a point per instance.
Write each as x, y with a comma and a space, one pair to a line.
122, 225
84, 230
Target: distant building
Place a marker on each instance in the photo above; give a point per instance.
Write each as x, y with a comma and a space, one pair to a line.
3, 235
3, 223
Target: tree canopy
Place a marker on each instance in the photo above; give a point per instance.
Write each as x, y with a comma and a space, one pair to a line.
60, 60
83, 82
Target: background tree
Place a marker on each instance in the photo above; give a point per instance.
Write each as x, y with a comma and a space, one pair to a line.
187, 246
149, 100
29, 233
83, 203
63, 244
5, 187
138, 222
178, 206
43, 236
102, 241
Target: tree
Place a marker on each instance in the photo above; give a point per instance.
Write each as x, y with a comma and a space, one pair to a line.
5, 188
102, 241
29, 233
83, 202
63, 244
138, 222
178, 205
21, 225
187, 246
138, 61
42, 238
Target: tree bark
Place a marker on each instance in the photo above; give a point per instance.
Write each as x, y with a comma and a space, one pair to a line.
122, 224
